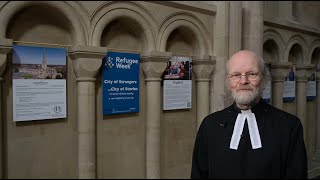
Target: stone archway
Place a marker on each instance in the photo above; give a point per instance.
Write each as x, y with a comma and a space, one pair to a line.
270, 51
15, 9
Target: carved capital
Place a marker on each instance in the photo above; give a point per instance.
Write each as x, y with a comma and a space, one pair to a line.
279, 70
5, 48
202, 67
86, 60
303, 72
154, 63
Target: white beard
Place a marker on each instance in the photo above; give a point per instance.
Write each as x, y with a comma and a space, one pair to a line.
246, 97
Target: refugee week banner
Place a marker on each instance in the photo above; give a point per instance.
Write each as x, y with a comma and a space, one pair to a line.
120, 83
289, 85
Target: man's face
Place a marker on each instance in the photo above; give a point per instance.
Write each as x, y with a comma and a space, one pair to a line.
249, 87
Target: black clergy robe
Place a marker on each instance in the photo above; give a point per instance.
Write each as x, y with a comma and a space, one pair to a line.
283, 153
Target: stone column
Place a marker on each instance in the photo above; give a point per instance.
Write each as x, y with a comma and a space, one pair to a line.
153, 64
253, 26
278, 73
86, 61
317, 152
302, 74
285, 10
235, 27
202, 68
5, 48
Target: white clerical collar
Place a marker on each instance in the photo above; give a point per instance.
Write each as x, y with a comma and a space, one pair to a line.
252, 126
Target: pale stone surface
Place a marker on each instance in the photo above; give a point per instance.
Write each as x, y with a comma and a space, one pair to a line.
203, 69
253, 26
151, 143
153, 65
302, 74
86, 63
278, 72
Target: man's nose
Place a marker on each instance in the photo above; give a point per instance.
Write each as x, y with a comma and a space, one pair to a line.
243, 80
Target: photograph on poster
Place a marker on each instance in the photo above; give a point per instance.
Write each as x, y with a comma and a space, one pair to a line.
39, 63
178, 68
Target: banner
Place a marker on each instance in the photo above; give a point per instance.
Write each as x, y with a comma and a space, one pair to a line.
289, 85
120, 83
177, 84
39, 83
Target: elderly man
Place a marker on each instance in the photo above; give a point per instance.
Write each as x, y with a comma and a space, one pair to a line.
250, 138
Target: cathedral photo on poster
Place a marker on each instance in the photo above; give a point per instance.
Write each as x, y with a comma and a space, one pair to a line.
30, 62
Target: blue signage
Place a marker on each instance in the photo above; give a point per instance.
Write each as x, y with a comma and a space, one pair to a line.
120, 83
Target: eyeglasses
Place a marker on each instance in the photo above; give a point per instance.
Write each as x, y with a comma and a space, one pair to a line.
251, 76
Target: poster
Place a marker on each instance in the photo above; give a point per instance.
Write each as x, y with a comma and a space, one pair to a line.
266, 94
312, 86
120, 83
289, 85
177, 83
39, 83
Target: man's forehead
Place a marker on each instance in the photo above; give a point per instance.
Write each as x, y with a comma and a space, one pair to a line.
243, 55
246, 64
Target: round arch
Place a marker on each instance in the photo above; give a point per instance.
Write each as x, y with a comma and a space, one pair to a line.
11, 8
314, 45
275, 37
109, 12
296, 40
189, 21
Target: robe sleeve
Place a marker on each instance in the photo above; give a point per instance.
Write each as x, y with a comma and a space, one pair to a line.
296, 165
200, 168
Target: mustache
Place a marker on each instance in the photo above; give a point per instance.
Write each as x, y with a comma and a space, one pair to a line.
244, 87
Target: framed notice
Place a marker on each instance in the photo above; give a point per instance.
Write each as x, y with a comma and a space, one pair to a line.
312, 86
177, 84
120, 83
289, 85
266, 94
39, 83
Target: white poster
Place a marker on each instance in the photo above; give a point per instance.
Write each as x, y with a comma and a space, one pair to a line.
266, 94
39, 83
177, 84
311, 86
38, 99
289, 85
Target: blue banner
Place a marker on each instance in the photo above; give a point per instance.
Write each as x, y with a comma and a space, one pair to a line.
120, 83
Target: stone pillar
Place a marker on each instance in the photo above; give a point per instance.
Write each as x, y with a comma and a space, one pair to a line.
86, 61
317, 152
153, 64
285, 10
278, 73
253, 26
235, 27
202, 68
5, 48
302, 74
